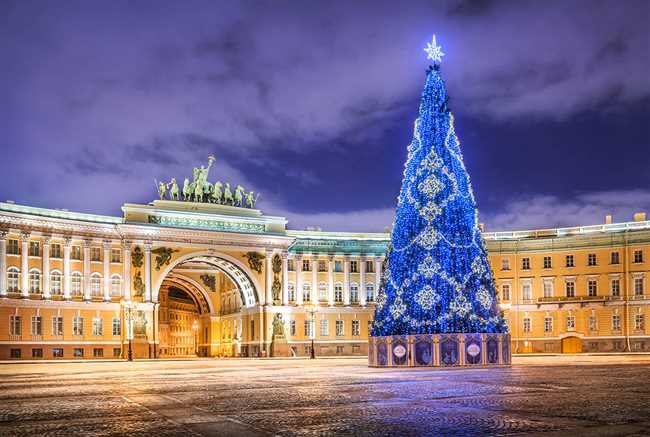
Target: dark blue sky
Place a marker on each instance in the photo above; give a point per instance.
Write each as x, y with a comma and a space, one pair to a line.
312, 104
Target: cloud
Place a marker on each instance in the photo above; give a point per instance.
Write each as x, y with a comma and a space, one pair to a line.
370, 220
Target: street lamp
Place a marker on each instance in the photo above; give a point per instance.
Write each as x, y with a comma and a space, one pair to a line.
128, 318
311, 309
195, 328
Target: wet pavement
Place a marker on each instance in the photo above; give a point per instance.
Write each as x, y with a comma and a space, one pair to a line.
606, 396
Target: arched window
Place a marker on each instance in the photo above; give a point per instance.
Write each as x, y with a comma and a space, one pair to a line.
34, 281
306, 291
116, 285
354, 293
322, 291
13, 278
370, 292
96, 284
338, 292
56, 280
75, 284
292, 291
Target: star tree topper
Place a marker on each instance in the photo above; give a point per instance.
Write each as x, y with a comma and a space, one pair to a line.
434, 51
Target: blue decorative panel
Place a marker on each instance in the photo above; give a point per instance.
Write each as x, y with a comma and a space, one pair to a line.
506, 348
382, 354
423, 352
473, 349
449, 351
400, 351
493, 350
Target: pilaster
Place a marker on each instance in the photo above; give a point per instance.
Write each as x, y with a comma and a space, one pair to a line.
147, 271
346, 281
362, 281
285, 279
3, 263
314, 279
46, 267
126, 282
67, 242
106, 245
269, 277
298, 265
330, 280
86, 273
24, 258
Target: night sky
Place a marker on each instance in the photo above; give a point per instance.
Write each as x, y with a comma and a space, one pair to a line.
313, 104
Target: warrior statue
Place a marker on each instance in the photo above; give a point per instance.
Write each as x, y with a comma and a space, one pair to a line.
239, 196
173, 189
187, 191
278, 325
227, 195
251, 199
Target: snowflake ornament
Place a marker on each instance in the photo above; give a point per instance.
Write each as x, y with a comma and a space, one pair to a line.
434, 51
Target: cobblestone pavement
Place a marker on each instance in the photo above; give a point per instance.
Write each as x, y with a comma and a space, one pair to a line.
551, 396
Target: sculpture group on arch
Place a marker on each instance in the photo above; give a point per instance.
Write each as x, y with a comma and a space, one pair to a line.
200, 190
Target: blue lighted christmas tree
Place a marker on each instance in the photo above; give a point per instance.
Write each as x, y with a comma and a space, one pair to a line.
437, 278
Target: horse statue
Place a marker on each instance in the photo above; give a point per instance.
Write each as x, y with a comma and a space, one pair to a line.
239, 196
187, 192
173, 189
217, 193
227, 195
251, 199
162, 189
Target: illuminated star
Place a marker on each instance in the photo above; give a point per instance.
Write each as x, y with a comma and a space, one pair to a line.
434, 51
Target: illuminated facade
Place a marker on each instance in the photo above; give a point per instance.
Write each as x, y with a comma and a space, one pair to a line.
178, 278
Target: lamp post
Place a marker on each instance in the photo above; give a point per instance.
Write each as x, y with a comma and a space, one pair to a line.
195, 328
128, 318
311, 309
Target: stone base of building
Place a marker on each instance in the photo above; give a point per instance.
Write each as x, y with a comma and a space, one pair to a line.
440, 350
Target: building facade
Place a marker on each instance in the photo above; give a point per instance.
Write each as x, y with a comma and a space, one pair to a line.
175, 278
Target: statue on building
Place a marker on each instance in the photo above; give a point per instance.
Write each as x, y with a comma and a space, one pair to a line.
239, 196
173, 189
227, 195
278, 325
251, 199
162, 189
217, 193
187, 190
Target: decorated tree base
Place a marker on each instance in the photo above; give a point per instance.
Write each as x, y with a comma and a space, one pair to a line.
440, 350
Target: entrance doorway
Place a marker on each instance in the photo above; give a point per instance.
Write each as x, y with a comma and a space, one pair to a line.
571, 345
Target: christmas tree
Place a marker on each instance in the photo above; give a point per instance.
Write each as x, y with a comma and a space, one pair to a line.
437, 277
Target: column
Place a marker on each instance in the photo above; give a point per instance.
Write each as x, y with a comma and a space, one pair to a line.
346, 281
147, 271
298, 264
330, 280
362, 281
3, 263
106, 259
378, 261
46, 267
126, 262
67, 242
269, 277
24, 257
285, 279
314, 279
86, 287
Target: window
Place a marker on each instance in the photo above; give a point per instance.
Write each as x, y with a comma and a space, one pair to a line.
78, 352
37, 325
547, 262
569, 261
356, 328
292, 327
56, 279
548, 324
306, 265
77, 325
98, 327
615, 286
322, 267
292, 291
306, 291
592, 287
34, 281
570, 287
616, 322
57, 352
548, 288
324, 328
55, 251
13, 248
638, 256
57, 325
337, 266
37, 353
591, 259
370, 292
116, 285
98, 352
505, 263
34, 248
14, 353
117, 352
339, 328
96, 284
116, 256
639, 322
76, 253
338, 293
638, 286
291, 266
526, 292
14, 325
339, 350
13, 278
614, 258
505, 292
354, 267
354, 293
370, 267
525, 263
527, 327
593, 323
570, 323
308, 328
95, 254
75, 284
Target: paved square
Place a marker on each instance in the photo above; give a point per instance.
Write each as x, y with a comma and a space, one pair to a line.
550, 395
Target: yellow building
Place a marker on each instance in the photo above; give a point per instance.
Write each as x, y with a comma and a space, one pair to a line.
176, 278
